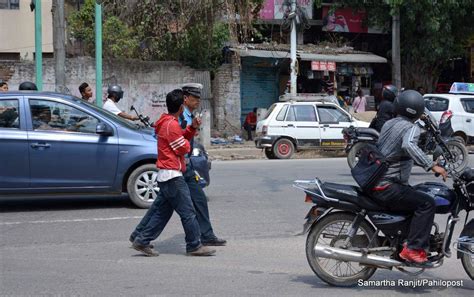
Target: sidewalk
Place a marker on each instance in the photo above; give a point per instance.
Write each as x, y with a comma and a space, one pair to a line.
247, 150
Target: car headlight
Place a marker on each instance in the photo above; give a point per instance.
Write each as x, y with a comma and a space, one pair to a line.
196, 152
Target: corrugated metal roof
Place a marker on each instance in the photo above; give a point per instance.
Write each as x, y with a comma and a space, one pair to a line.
349, 58
309, 52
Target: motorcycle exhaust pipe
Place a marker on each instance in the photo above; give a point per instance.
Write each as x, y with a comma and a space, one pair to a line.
324, 251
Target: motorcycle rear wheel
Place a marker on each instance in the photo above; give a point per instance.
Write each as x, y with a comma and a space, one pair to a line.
466, 259
354, 153
331, 231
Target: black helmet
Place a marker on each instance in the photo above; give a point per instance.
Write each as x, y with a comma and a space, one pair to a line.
115, 90
27, 86
389, 92
410, 104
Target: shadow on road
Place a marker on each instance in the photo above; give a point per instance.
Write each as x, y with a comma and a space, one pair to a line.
61, 203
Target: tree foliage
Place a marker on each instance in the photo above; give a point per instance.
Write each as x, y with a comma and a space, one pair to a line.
192, 31
431, 33
118, 39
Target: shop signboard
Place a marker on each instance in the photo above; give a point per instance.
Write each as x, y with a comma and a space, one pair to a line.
268, 10
346, 20
323, 66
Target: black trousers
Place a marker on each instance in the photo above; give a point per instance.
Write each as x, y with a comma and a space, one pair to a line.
403, 198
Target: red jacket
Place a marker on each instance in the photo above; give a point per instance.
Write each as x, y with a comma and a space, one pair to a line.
173, 143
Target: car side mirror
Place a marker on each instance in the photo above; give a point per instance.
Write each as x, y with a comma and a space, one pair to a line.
104, 129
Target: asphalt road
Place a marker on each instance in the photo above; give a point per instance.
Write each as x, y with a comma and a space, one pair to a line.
80, 246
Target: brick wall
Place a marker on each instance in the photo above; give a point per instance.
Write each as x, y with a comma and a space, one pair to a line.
226, 98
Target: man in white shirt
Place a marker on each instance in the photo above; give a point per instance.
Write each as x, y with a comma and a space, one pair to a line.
115, 93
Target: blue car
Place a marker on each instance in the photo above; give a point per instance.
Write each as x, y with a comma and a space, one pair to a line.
56, 144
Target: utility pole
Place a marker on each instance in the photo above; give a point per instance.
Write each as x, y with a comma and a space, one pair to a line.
292, 17
38, 44
59, 45
98, 54
396, 65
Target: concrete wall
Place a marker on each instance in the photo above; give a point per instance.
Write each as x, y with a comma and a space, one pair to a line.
17, 29
145, 84
226, 98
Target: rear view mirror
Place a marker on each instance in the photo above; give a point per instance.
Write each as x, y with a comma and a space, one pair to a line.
104, 129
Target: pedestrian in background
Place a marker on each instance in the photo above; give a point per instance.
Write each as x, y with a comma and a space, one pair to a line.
86, 92
3, 86
359, 102
250, 123
173, 144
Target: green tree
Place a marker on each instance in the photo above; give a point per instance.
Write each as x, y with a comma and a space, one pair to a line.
118, 39
431, 33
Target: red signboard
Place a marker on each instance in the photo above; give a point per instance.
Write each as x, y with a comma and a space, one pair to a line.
323, 66
346, 20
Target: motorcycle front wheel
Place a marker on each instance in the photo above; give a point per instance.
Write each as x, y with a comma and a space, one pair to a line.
332, 231
460, 156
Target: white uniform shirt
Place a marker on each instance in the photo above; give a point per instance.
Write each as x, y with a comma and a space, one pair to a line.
111, 106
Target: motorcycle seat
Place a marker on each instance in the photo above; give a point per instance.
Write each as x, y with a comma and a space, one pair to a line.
352, 194
368, 131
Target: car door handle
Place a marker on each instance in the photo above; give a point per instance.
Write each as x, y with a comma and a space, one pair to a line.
468, 120
40, 145
326, 126
290, 125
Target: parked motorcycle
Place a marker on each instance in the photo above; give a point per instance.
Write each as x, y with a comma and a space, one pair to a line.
433, 140
199, 156
350, 236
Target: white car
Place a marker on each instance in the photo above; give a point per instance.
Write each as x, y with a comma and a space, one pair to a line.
305, 123
460, 104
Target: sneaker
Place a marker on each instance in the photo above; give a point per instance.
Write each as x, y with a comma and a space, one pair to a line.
202, 251
145, 249
214, 242
132, 239
415, 256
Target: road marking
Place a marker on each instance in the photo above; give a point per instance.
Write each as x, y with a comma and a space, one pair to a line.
71, 221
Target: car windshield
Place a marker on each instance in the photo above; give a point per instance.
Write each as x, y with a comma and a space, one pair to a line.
108, 114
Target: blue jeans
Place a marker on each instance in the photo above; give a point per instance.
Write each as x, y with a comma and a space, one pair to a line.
175, 197
200, 205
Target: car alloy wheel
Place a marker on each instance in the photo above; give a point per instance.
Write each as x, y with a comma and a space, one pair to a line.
146, 186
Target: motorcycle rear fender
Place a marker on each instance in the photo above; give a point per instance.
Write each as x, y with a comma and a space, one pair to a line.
311, 218
467, 231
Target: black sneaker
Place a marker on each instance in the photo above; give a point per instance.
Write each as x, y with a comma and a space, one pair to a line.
202, 251
214, 242
145, 249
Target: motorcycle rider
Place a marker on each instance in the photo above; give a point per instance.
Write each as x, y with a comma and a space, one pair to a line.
386, 109
28, 86
398, 142
114, 94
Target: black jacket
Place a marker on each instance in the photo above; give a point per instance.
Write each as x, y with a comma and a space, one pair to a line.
386, 112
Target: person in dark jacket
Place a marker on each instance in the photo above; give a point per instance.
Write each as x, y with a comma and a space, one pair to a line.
398, 142
386, 110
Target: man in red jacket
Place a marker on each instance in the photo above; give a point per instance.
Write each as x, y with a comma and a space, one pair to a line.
173, 144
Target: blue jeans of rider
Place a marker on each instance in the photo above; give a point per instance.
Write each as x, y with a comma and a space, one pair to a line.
175, 197
200, 205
